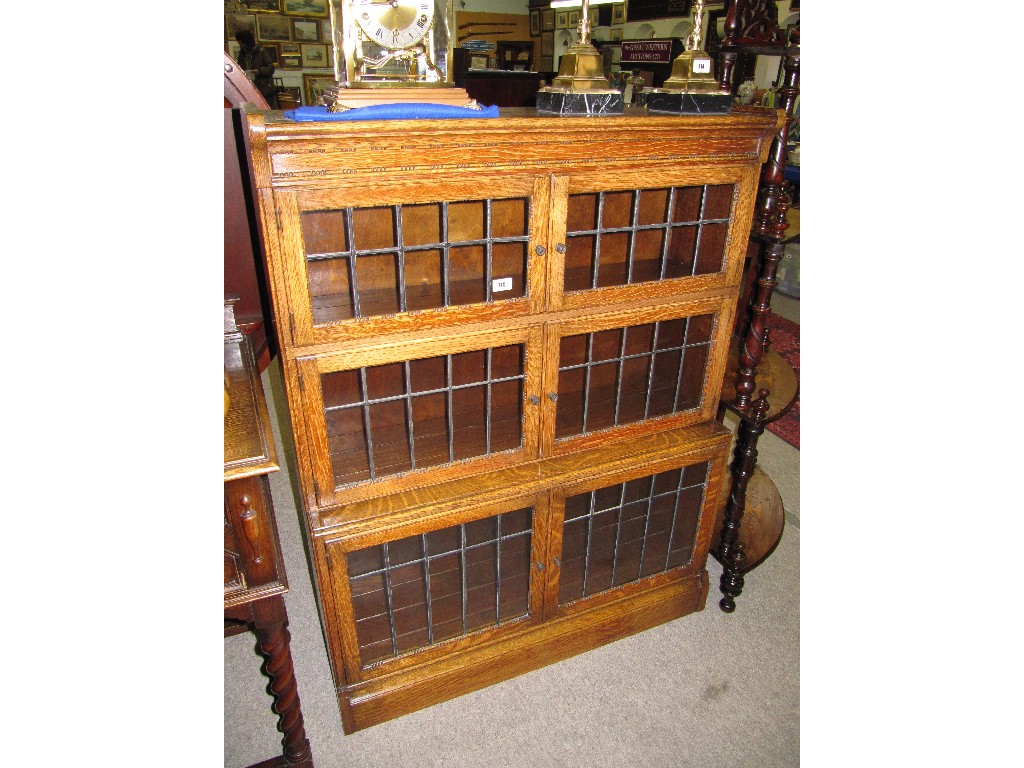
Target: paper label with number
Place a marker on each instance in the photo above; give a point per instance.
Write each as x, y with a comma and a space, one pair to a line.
702, 65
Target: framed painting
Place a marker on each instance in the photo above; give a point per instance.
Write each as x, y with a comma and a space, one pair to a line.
326, 33
595, 14
547, 44
330, 55
293, 49
313, 87
547, 64
273, 29
291, 61
263, 6
619, 13
615, 34
535, 23
306, 30
547, 20
314, 55
316, 8
562, 20
275, 53
574, 19
236, 22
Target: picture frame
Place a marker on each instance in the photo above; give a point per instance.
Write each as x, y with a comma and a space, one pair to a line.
263, 6
574, 19
274, 51
233, 48
317, 8
547, 43
291, 61
273, 29
330, 56
294, 49
547, 20
313, 87
547, 64
615, 34
562, 20
619, 13
535, 23
314, 55
478, 62
306, 30
595, 16
326, 33
236, 22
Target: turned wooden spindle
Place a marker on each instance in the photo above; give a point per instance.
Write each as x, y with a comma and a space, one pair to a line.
744, 458
272, 636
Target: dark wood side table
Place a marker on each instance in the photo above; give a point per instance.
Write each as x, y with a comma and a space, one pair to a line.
254, 577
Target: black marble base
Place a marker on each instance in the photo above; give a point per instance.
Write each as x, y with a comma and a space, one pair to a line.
580, 103
674, 103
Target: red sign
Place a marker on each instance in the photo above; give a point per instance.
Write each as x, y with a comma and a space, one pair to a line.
646, 51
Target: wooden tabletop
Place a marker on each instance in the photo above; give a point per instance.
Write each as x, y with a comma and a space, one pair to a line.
248, 439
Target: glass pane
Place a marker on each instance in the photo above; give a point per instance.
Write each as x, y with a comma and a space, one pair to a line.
638, 236
622, 376
418, 591
621, 533
387, 419
367, 262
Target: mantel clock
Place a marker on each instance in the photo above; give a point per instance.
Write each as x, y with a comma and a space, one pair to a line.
392, 43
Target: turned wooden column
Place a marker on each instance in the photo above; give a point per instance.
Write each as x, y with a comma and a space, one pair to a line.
270, 625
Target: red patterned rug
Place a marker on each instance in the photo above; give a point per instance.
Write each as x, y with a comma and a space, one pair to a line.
785, 339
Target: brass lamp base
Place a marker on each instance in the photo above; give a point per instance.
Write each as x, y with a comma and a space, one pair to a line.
691, 88
580, 88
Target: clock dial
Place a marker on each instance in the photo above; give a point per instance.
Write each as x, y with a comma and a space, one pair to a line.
394, 24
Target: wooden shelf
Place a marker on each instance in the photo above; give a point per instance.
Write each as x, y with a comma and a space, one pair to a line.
764, 519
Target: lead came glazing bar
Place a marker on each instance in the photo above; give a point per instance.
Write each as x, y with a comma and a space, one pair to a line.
597, 237
650, 371
429, 599
668, 231
497, 572
445, 249
618, 533
620, 374
682, 362
408, 415
366, 423
465, 592
403, 304
634, 220
675, 514
353, 283
586, 379
700, 228
487, 402
586, 546
389, 600
450, 415
647, 524
488, 254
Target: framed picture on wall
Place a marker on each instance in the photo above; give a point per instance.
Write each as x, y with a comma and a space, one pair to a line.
562, 20
291, 61
263, 6
306, 30
293, 49
274, 52
534, 23
236, 22
615, 34
314, 55
478, 62
273, 29
574, 19
330, 55
316, 8
547, 64
313, 87
325, 31
595, 14
547, 20
619, 14
547, 44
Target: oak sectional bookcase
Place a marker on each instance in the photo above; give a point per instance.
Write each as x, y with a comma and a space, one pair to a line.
503, 343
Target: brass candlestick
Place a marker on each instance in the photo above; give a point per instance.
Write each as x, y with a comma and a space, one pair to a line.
692, 87
580, 87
